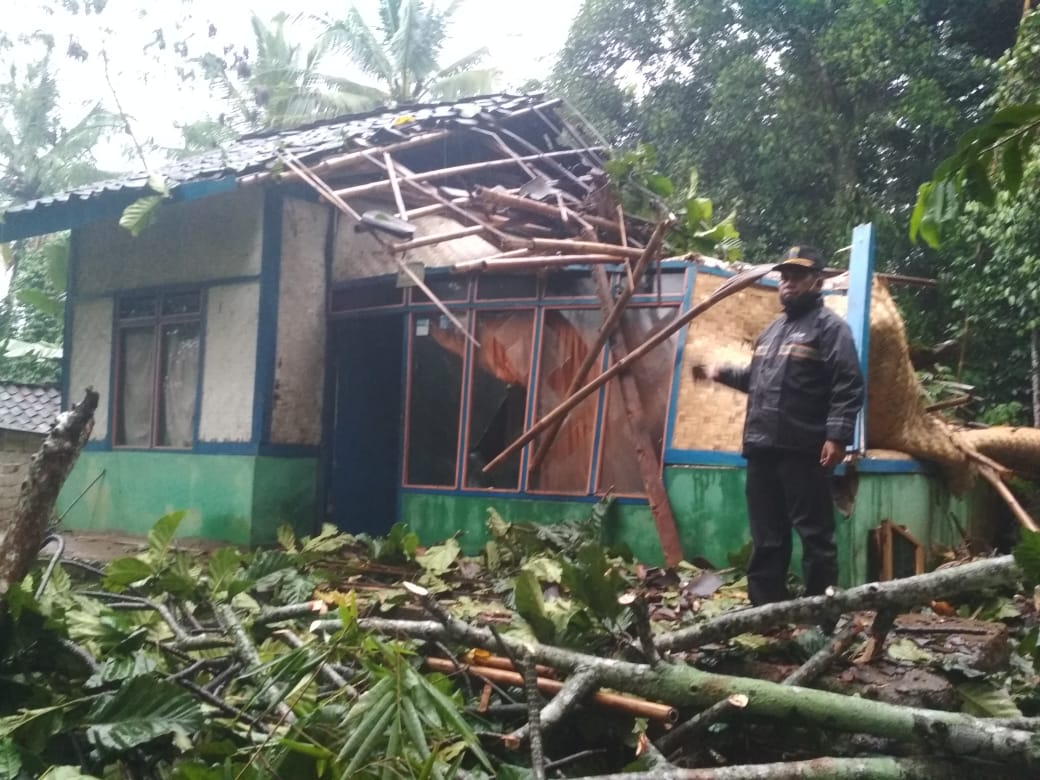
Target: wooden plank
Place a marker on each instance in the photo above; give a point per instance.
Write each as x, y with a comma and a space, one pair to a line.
647, 456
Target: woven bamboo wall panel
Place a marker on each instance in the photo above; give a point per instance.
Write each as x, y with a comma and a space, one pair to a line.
710, 416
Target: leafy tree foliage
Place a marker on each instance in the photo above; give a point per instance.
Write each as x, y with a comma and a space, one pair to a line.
403, 53
808, 116
995, 243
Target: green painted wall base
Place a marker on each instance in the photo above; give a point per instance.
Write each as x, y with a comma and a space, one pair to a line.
240, 499
709, 509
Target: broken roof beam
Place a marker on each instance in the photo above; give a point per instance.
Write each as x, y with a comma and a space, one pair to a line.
648, 457
569, 245
500, 198
731, 286
611, 318
336, 162
507, 262
456, 170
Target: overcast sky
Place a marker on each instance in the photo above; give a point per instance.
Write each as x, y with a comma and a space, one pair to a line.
523, 39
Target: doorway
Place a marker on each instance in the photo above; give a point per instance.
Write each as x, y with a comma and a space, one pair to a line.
364, 476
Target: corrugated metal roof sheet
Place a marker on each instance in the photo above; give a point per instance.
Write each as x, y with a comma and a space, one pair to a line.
257, 152
30, 408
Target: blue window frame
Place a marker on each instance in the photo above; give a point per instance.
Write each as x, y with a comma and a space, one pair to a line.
464, 404
157, 345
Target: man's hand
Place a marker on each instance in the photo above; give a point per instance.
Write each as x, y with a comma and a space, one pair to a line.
832, 454
707, 371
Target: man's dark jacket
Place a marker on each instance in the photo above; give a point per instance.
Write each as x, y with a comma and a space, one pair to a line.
804, 383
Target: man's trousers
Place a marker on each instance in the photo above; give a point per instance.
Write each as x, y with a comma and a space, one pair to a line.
786, 490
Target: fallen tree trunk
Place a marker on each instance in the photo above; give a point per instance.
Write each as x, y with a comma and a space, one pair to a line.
836, 769
932, 731
20, 539
896, 594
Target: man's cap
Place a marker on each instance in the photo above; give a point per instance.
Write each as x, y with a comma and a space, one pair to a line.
802, 257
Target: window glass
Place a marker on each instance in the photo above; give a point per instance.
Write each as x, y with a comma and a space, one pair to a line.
137, 306
653, 380
159, 338
178, 383
670, 282
136, 377
435, 392
498, 396
365, 296
181, 303
567, 337
497, 286
454, 288
570, 285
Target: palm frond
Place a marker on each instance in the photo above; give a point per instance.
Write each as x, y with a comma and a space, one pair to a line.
464, 84
356, 38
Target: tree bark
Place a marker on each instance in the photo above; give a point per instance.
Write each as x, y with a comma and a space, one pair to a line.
896, 594
837, 769
1034, 374
683, 686
20, 540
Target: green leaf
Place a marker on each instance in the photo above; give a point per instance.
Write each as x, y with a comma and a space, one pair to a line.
66, 773
1027, 556
142, 710
10, 760
224, 565
1011, 162
979, 187
985, 700
141, 214
57, 255
660, 185
906, 650
530, 605
691, 190
438, 559
919, 210
287, 537
1017, 115
41, 301
119, 668
123, 572
546, 568
159, 184
161, 536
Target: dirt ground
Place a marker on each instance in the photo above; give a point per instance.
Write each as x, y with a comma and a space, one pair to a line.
103, 546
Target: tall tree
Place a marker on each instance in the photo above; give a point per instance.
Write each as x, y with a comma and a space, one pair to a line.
403, 53
994, 275
809, 116
278, 83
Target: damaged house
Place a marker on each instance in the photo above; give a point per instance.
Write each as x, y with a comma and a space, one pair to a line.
352, 320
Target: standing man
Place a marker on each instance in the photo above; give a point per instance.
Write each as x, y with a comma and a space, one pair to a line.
804, 389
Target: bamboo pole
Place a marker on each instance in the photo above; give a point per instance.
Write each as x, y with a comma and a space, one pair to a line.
641, 708
508, 261
990, 475
537, 207
330, 195
443, 173
648, 461
338, 161
612, 315
437, 238
734, 285
569, 245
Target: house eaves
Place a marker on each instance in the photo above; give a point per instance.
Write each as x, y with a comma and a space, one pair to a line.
226, 168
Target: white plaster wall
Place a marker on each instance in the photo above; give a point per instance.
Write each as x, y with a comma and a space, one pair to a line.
211, 238
300, 353
92, 357
229, 364
366, 253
